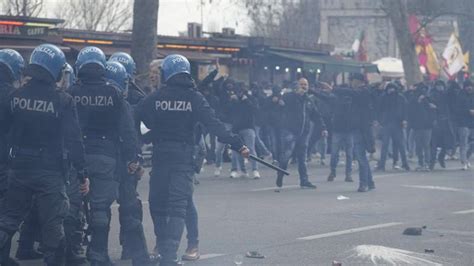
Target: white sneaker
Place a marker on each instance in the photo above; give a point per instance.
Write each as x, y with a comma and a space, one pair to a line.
469, 165
244, 175
217, 172
256, 174
234, 174
464, 167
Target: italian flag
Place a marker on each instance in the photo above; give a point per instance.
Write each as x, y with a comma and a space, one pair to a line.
359, 47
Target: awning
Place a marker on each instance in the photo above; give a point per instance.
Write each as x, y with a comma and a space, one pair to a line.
327, 63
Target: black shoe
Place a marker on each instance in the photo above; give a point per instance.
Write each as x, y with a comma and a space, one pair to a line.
279, 182
28, 254
372, 187
331, 177
379, 169
442, 163
349, 178
406, 167
307, 184
362, 189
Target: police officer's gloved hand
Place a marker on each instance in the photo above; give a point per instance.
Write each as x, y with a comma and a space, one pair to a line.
83, 177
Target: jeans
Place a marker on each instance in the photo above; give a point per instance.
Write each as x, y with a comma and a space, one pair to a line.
220, 147
423, 146
466, 142
394, 133
259, 144
274, 140
289, 143
192, 224
211, 148
340, 140
365, 173
322, 147
248, 136
411, 145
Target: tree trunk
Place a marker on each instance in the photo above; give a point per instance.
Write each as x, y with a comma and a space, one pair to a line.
397, 11
144, 36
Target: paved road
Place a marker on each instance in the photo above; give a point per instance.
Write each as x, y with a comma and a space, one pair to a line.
313, 227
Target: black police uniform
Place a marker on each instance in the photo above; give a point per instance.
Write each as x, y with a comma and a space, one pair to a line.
104, 119
43, 122
171, 114
5, 88
132, 236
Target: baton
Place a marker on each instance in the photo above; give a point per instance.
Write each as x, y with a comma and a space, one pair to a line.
267, 164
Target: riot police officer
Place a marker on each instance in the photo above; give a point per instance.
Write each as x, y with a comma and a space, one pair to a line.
171, 114
132, 236
43, 123
104, 120
130, 210
11, 67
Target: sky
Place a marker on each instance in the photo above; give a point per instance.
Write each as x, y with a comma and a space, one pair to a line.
174, 15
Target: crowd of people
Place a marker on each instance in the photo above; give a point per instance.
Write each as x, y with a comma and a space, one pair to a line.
71, 144
430, 120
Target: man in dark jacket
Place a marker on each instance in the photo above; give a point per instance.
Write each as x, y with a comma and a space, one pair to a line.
464, 109
243, 108
363, 117
443, 135
342, 135
297, 110
421, 120
392, 117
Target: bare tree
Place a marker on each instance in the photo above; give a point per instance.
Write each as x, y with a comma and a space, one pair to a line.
28, 8
100, 15
398, 14
144, 35
297, 21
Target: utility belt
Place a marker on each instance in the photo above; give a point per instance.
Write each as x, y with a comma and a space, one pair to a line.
99, 137
44, 158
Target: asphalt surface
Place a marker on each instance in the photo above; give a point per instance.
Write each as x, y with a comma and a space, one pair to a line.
313, 227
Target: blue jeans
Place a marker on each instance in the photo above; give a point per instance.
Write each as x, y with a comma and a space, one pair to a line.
465, 142
365, 174
322, 147
288, 143
220, 147
248, 136
423, 146
340, 140
259, 144
392, 132
192, 224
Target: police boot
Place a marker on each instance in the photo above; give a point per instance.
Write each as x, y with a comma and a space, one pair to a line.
57, 256
75, 252
97, 252
26, 250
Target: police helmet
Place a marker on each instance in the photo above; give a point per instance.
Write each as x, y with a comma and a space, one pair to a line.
50, 58
126, 60
90, 55
116, 73
175, 64
13, 61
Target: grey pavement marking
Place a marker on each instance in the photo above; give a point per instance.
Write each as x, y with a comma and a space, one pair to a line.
349, 231
437, 188
464, 212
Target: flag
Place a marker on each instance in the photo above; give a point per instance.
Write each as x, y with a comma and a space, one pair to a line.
466, 61
453, 56
424, 49
359, 47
